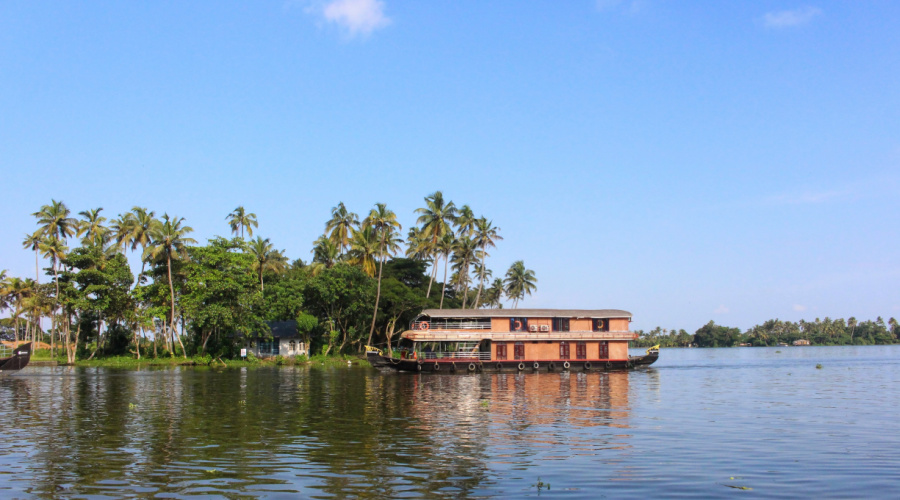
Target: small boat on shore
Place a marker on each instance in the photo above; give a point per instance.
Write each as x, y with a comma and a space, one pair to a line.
15, 358
514, 340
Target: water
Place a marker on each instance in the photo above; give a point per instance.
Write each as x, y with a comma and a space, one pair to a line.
699, 423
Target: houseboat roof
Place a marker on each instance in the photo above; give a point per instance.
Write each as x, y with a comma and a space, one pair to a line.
526, 313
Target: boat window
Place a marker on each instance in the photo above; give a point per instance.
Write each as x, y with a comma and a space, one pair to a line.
520, 350
518, 324
563, 350
604, 350
501, 350
601, 325
560, 324
581, 350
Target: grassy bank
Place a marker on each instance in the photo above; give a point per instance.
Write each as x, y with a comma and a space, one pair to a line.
318, 360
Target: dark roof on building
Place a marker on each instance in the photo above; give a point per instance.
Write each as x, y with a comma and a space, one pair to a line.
526, 313
283, 329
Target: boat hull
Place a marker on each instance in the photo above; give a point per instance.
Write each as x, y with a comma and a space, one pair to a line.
458, 366
18, 360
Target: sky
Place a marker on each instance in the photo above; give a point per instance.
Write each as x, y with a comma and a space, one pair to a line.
684, 161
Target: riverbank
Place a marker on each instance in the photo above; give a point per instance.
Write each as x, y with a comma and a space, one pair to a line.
42, 357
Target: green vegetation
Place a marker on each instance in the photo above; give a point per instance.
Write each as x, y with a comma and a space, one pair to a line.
199, 304
774, 332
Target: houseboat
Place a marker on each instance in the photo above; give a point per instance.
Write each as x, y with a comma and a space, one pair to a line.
14, 358
514, 340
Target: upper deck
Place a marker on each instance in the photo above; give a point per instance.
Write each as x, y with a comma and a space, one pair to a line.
520, 324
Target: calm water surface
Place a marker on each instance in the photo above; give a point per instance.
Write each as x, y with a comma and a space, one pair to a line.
701, 422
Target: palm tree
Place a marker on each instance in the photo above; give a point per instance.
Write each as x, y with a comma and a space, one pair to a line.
120, 229
92, 227
239, 219
484, 275
266, 258
417, 244
33, 242
16, 290
486, 235
435, 219
384, 222
142, 222
494, 294
364, 246
466, 221
325, 252
341, 225
54, 220
168, 239
519, 282
55, 250
465, 251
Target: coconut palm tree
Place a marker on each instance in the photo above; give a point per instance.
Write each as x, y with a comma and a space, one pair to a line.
486, 235
55, 250
33, 242
435, 219
120, 229
465, 251
384, 222
142, 223
239, 219
266, 258
91, 226
484, 275
325, 252
169, 239
363, 249
54, 220
341, 226
519, 282
465, 221
16, 290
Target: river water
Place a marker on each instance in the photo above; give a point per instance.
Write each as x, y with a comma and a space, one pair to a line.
752, 422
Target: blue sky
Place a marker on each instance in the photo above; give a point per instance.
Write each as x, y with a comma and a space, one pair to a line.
733, 161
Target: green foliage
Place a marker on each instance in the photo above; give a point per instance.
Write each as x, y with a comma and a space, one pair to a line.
713, 335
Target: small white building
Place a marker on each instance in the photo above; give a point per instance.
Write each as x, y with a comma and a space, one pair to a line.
284, 340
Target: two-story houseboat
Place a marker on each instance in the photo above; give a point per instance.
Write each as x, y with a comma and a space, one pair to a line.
515, 340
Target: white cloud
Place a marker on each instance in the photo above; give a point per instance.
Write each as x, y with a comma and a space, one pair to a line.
722, 310
789, 18
355, 17
799, 307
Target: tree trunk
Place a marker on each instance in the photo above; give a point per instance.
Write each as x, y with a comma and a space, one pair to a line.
54, 324
480, 281
378, 292
444, 288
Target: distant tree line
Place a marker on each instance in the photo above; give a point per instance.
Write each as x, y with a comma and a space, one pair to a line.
209, 299
773, 332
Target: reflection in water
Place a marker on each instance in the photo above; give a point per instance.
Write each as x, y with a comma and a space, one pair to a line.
693, 425
322, 432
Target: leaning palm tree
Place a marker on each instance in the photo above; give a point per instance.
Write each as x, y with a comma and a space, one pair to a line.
341, 225
239, 220
91, 226
363, 249
436, 218
484, 276
486, 235
519, 282
168, 239
266, 257
384, 222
